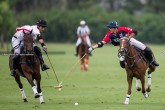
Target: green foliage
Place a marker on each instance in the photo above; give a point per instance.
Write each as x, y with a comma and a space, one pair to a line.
63, 18
7, 20
62, 25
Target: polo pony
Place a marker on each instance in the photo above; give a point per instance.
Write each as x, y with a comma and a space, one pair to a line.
136, 66
28, 67
83, 54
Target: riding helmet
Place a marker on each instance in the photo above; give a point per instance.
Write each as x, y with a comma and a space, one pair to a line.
82, 22
42, 23
113, 24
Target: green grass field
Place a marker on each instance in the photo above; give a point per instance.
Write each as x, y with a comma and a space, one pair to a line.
102, 87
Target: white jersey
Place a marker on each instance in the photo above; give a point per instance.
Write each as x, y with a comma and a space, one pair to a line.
19, 32
35, 32
17, 39
82, 31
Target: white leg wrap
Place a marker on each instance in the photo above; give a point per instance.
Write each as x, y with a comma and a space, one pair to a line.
149, 80
34, 88
146, 94
41, 98
137, 83
127, 99
34, 81
23, 94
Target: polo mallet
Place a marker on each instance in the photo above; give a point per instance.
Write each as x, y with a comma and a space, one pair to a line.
59, 86
71, 70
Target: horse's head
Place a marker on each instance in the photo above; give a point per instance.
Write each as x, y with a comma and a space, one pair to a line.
123, 48
28, 43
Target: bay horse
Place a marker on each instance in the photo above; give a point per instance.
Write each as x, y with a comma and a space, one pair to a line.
83, 54
28, 67
135, 66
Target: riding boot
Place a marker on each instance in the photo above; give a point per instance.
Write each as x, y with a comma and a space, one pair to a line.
77, 48
15, 58
37, 51
148, 53
43, 65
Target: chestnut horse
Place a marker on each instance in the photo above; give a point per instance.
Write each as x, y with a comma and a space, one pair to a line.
29, 68
135, 66
83, 54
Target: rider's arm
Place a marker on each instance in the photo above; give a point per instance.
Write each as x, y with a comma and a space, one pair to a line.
104, 41
99, 44
40, 39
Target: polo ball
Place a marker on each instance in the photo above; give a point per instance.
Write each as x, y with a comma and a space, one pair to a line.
76, 104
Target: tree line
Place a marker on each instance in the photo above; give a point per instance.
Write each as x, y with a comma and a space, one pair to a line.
63, 17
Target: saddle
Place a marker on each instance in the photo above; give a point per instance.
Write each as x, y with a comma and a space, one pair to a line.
141, 52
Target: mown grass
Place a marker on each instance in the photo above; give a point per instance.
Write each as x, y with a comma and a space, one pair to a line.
103, 87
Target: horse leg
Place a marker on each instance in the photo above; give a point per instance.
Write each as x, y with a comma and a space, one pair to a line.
38, 80
86, 63
82, 67
30, 80
149, 81
138, 88
129, 80
145, 93
17, 79
82, 64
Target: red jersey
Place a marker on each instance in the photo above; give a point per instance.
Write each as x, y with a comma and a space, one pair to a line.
115, 39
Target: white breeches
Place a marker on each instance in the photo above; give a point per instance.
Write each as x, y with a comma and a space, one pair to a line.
17, 44
87, 40
137, 44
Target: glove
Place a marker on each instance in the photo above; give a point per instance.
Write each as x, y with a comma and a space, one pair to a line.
44, 48
90, 50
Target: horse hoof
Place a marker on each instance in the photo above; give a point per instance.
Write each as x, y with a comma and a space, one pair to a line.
138, 89
42, 102
25, 100
148, 90
125, 103
36, 96
146, 95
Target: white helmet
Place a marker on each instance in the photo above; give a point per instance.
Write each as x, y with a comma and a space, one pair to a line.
27, 29
82, 22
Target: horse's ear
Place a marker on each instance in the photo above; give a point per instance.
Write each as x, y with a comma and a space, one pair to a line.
31, 31
24, 32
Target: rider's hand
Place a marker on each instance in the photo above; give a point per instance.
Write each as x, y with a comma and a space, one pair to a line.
44, 48
90, 49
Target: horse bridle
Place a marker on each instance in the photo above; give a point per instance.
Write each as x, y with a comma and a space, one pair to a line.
25, 49
125, 50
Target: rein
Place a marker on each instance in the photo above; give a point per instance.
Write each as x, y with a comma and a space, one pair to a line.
127, 50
